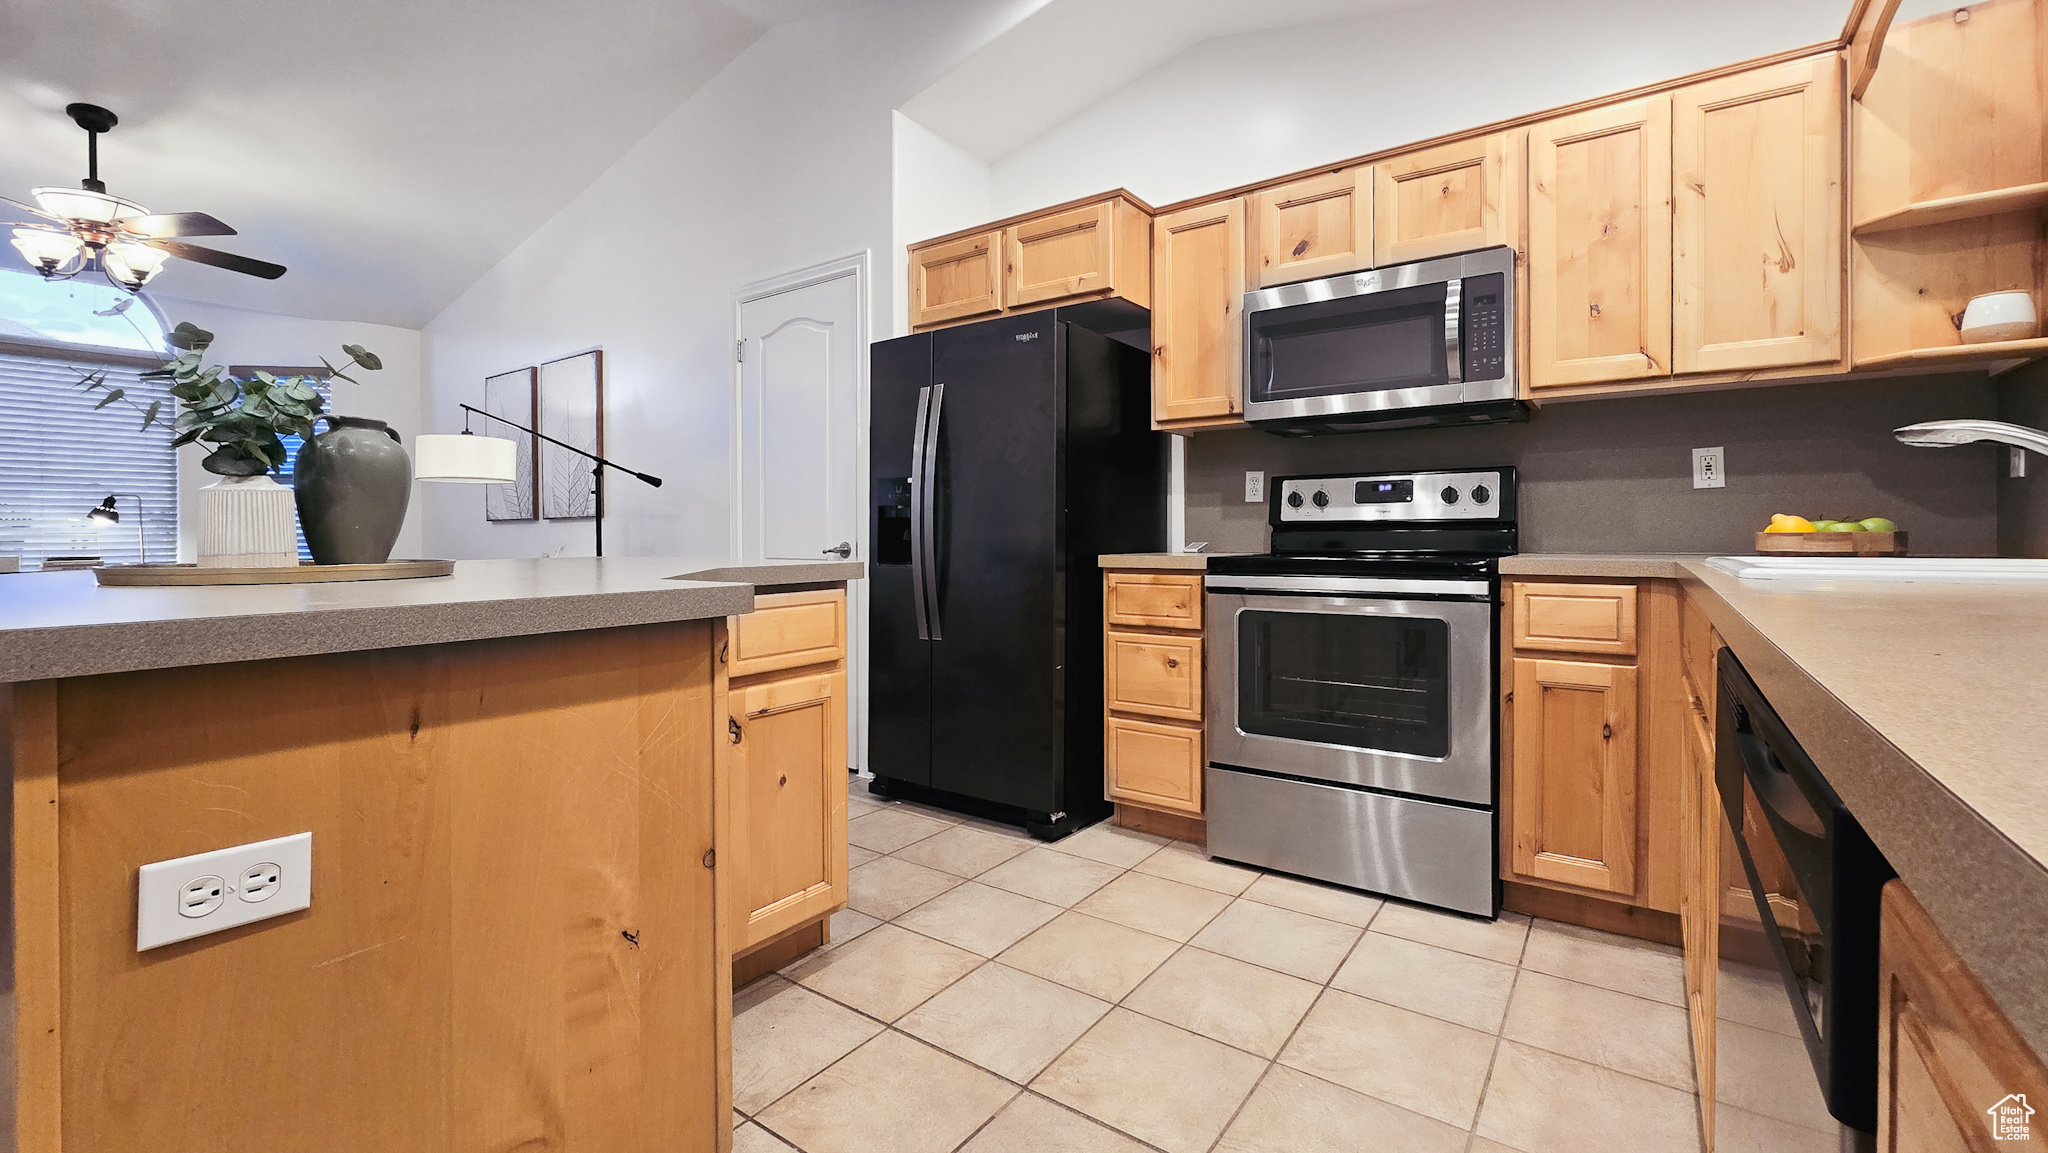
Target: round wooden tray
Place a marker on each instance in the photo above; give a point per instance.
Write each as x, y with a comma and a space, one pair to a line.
1831, 543
186, 574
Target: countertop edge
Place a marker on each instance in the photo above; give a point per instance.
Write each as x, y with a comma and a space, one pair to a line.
1985, 892
1644, 566
133, 646
1168, 561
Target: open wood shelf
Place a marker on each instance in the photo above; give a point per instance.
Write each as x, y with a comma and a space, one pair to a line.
1961, 353
1949, 208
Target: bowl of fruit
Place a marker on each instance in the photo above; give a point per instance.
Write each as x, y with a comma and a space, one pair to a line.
1795, 535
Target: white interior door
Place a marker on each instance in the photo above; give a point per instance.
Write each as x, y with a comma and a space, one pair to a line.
800, 428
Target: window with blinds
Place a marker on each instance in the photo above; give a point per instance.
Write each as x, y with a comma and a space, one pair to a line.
59, 457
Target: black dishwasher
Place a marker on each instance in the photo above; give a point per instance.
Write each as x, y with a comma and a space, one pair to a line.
1798, 970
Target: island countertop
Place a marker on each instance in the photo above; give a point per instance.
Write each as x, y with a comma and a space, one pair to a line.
64, 624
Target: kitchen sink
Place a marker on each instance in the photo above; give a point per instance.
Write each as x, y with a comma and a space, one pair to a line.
1982, 570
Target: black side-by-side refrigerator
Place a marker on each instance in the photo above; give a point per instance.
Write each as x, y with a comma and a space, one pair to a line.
1007, 456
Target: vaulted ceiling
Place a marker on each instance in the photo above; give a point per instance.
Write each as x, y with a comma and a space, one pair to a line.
392, 150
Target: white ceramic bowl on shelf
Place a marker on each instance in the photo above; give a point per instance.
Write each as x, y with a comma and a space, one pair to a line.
2000, 316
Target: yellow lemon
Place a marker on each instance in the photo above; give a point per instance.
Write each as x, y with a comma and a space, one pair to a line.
1781, 522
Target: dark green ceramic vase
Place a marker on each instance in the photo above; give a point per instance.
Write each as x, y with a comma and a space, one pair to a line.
352, 484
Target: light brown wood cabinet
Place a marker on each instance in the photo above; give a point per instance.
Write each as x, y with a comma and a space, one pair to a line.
1757, 219
1451, 198
1948, 1058
1085, 250
1318, 226
1575, 773
1152, 666
1592, 732
785, 849
954, 280
1600, 245
1198, 287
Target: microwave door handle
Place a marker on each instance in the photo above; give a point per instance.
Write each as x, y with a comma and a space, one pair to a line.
920, 482
1454, 344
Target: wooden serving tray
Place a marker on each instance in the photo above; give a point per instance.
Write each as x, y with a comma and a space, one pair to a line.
1831, 543
186, 574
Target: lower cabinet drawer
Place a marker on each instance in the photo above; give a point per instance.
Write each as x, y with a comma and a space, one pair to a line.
1575, 618
788, 631
1157, 674
1156, 764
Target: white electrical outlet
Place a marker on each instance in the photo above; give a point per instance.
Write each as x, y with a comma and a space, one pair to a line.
2015, 461
1255, 488
207, 892
1709, 469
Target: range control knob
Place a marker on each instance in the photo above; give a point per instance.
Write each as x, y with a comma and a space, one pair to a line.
1293, 500
1449, 494
1321, 499
1481, 495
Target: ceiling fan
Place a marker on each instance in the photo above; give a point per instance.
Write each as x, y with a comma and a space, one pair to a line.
86, 227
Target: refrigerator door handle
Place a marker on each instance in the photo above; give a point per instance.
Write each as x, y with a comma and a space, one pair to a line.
920, 481
928, 510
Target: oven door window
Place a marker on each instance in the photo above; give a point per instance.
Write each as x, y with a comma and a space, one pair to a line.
1367, 682
1372, 343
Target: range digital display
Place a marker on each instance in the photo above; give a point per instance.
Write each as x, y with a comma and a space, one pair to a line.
1384, 492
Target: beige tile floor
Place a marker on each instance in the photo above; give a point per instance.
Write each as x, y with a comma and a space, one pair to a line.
1117, 992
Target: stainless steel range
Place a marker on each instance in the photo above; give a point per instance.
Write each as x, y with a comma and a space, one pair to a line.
1353, 725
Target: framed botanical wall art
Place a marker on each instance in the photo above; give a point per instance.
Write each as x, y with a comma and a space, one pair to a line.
572, 411
511, 395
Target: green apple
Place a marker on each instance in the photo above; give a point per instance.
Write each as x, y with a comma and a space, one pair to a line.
1878, 524
1842, 526
1824, 525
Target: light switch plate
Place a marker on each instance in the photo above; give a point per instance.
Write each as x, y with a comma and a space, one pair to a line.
1709, 468
1255, 488
189, 897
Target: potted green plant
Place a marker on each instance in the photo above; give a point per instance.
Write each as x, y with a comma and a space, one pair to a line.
245, 517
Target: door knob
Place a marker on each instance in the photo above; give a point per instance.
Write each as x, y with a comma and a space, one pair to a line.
842, 550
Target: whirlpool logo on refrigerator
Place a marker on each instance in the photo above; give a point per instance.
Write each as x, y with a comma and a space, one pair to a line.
1022, 337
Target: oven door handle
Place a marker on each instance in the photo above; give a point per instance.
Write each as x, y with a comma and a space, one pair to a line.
1347, 586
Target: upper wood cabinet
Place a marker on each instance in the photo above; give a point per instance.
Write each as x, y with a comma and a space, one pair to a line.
1600, 245
1321, 226
1575, 773
1198, 287
1757, 219
956, 279
1080, 251
1095, 250
1452, 198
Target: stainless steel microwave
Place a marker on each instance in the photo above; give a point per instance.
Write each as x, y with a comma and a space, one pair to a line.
1412, 345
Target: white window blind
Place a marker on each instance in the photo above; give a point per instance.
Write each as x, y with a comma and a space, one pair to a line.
59, 457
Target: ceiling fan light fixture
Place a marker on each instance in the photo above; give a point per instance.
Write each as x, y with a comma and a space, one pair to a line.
85, 204
50, 252
132, 265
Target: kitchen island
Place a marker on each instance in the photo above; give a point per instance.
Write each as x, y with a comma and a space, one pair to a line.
517, 935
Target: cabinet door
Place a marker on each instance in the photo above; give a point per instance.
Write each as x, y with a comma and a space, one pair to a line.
786, 852
1575, 774
1064, 255
1320, 226
957, 279
1600, 245
1154, 764
1953, 1073
1452, 198
1198, 286
1757, 219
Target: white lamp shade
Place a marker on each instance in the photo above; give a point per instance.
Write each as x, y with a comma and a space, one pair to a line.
85, 204
47, 249
133, 264
464, 459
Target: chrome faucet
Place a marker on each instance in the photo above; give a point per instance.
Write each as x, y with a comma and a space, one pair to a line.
1950, 433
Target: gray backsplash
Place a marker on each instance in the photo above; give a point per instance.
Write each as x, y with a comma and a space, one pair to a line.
2023, 502
1614, 475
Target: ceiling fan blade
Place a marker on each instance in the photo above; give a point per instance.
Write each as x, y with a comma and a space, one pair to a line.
168, 224
227, 260
34, 209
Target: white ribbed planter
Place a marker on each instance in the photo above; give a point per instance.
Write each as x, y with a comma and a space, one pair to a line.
246, 522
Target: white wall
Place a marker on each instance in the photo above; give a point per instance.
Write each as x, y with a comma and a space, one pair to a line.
939, 187
1241, 109
782, 161
243, 336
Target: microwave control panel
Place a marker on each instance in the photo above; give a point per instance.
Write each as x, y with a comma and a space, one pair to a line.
1484, 327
